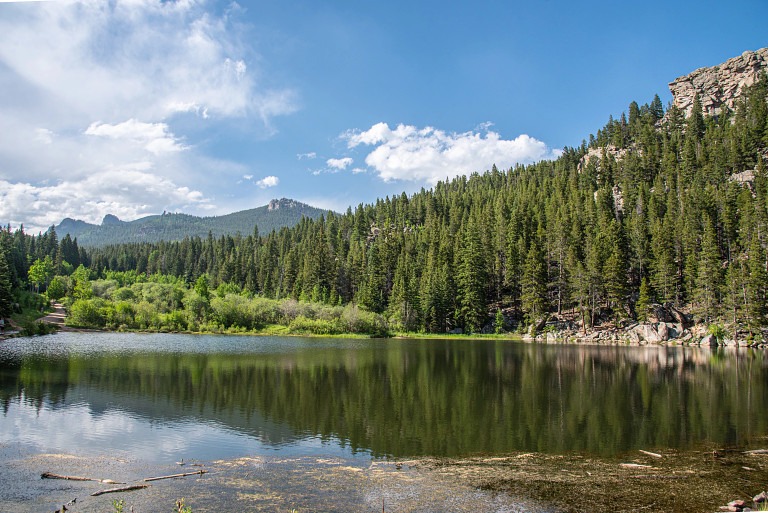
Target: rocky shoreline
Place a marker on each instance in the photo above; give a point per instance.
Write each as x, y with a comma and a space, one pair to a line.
666, 325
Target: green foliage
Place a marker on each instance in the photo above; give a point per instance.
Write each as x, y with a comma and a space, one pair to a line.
41, 272
6, 294
302, 324
717, 331
58, 287
87, 313
643, 301
498, 322
31, 328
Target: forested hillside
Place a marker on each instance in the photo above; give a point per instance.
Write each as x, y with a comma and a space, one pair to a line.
655, 208
277, 214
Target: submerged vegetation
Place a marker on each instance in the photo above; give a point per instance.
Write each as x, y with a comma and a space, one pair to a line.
656, 208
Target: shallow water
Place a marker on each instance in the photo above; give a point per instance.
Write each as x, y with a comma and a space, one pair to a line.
163, 397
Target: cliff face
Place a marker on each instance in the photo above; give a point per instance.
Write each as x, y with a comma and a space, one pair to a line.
719, 85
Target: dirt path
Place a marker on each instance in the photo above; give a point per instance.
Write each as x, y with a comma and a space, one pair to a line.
56, 317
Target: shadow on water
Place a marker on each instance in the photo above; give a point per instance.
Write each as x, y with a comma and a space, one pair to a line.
385, 398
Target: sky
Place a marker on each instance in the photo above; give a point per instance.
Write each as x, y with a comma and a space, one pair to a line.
135, 107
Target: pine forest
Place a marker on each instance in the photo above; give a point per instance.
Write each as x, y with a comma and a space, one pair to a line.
656, 208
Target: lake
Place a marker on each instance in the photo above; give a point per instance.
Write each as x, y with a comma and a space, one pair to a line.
162, 397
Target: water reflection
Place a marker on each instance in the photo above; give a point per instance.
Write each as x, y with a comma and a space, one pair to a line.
225, 396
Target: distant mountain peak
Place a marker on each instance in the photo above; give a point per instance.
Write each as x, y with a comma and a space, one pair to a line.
277, 214
276, 204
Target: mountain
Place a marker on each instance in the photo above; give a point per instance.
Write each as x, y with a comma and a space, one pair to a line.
169, 227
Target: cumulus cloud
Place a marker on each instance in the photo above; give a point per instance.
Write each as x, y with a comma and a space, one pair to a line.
309, 156
339, 164
268, 181
429, 155
95, 87
148, 59
128, 192
154, 137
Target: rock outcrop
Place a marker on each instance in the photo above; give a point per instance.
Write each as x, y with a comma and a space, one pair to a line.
720, 85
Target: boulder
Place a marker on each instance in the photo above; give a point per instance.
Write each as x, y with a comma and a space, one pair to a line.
663, 331
708, 341
647, 333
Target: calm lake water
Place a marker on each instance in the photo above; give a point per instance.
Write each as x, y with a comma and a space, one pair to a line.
164, 397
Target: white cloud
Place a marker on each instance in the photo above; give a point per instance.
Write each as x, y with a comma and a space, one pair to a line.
44, 135
248, 177
91, 87
128, 192
267, 181
429, 155
311, 155
145, 59
154, 137
339, 164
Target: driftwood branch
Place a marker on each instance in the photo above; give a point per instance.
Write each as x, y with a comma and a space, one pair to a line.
51, 475
196, 473
634, 465
649, 453
121, 489
757, 451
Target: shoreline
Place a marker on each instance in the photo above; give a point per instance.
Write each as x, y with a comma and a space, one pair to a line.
692, 480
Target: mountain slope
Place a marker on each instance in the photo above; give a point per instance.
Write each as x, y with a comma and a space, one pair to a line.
169, 227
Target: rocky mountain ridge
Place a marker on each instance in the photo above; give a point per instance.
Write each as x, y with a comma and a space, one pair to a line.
720, 85
277, 214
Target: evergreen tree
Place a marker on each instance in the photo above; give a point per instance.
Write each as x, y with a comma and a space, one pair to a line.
534, 285
709, 274
6, 295
471, 281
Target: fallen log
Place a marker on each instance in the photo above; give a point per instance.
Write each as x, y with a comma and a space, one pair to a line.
634, 465
51, 475
660, 478
196, 473
121, 489
757, 451
649, 453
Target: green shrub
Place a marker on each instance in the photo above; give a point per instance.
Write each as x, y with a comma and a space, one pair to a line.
87, 313
303, 325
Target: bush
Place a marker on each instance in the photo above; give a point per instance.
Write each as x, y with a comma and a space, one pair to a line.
303, 325
173, 321
37, 328
58, 287
123, 294
233, 310
87, 313
358, 320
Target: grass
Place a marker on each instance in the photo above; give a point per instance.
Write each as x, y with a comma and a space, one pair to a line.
463, 336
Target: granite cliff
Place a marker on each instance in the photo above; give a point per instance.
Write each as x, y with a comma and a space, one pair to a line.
720, 85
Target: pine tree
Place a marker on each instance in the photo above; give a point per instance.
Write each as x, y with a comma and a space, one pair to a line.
6, 294
643, 301
471, 280
534, 284
709, 274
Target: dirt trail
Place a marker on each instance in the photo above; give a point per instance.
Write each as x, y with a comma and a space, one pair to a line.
56, 317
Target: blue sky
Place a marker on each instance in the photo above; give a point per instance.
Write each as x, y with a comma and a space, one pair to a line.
133, 107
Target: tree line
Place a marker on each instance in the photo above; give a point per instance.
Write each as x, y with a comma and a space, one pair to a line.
655, 208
